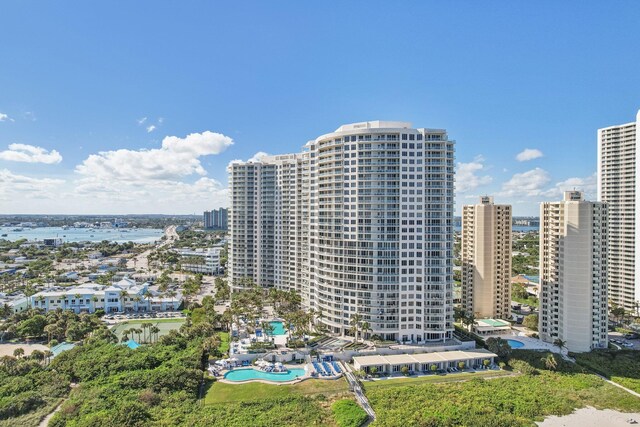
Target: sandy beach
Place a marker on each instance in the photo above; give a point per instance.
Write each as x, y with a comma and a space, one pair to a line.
7, 349
591, 417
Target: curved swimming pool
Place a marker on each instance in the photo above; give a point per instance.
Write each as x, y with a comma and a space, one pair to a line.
254, 374
515, 344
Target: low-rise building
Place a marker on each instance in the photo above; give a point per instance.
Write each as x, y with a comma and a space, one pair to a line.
204, 261
123, 296
17, 302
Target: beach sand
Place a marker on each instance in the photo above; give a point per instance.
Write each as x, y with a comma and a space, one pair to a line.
7, 349
591, 417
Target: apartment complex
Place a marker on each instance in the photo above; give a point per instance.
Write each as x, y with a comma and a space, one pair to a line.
216, 219
618, 186
359, 222
486, 259
573, 272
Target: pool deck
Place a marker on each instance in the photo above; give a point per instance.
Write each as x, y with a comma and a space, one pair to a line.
260, 380
529, 343
309, 369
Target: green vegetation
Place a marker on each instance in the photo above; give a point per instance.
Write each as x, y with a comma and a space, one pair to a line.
528, 245
621, 366
514, 401
28, 390
519, 293
218, 392
348, 414
59, 325
432, 379
531, 322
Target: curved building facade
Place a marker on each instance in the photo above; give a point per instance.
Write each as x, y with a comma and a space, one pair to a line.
371, 212
381, 199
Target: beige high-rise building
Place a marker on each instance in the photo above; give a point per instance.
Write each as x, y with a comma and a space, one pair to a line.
486, 259
618, 185
573, 272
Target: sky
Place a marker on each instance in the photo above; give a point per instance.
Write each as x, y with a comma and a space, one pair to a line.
138, 107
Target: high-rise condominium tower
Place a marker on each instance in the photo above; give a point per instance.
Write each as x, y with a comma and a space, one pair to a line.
573, 272
367, 228
619, 187
486, 259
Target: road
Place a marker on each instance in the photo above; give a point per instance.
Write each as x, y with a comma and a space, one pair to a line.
141, 260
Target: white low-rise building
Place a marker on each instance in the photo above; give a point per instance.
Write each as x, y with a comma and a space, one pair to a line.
123, 296
204, 261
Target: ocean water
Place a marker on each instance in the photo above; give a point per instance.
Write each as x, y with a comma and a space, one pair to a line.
120, 235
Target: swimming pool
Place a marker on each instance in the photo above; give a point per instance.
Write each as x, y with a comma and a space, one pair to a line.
254, 374
515, 343
278, 328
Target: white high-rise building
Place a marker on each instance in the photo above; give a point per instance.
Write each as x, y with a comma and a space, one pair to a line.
263, 220
486, 259
618, 185
573, 272
369, 213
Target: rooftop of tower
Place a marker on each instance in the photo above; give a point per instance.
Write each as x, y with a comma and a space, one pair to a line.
375, 124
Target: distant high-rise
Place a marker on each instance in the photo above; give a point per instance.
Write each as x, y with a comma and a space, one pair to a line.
619, 187
216, 219
486, 259
573, 272
360, 222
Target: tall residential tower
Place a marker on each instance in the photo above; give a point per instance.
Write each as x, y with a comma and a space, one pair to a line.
368, 228
573, 272
486, 259
619, 186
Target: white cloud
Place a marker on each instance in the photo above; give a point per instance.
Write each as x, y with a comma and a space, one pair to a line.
529, 154
177, 158
141, 120
151, 128
588, 185
530, 183
4, 117
160, 120
12, 186
468, 175
30, 154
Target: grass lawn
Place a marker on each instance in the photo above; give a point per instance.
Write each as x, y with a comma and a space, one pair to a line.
224, 393
425, 379
622, 367
165, 325
224, 342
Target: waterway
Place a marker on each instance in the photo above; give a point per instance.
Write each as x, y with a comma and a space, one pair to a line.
119, 235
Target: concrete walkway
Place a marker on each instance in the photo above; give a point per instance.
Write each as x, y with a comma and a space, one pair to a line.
362, 400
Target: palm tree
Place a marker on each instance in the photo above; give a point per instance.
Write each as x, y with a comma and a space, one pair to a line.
355, 324
37, 355
155, 330
469, 320
95, 301
365, 327
123, 298
560, 343
18, 352
148, 295
48, 354
137, 299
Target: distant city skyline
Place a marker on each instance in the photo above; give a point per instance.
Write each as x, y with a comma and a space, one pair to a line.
109, 113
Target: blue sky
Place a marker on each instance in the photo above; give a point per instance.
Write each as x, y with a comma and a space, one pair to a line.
90, 90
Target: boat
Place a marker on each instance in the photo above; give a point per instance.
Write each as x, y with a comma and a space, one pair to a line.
17, 229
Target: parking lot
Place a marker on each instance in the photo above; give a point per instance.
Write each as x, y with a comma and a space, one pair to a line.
624, 341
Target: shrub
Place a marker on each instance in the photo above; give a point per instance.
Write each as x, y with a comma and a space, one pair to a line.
347, 413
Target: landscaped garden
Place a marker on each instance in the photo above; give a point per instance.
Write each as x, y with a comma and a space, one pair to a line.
545, 385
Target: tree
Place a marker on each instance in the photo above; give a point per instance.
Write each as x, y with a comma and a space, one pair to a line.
373, 370
18, 352
550, 362
531, 322
355, 324
560, 343
404, 370
37, 355
469, 320
499, 346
